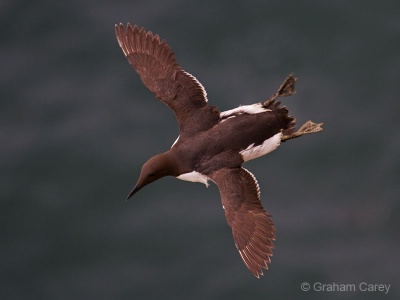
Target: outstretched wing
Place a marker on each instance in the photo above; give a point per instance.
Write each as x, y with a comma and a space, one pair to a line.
252, 227
156, 65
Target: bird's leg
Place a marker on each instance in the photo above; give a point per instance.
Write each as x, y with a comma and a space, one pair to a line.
307, 128
286, 89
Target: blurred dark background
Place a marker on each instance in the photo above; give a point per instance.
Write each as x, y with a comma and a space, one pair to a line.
76, 124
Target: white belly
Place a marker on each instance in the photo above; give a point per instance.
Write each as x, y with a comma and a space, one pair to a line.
269, 145
194, 177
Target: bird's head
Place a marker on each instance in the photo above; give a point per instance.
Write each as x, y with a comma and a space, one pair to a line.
155, 168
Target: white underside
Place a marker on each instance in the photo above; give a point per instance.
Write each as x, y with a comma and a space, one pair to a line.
248, 109
194, 177
269, 145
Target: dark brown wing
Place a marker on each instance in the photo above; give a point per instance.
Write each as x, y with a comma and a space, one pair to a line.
156, 65
252, 228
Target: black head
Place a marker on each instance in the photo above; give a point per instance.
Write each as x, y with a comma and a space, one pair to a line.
155, 168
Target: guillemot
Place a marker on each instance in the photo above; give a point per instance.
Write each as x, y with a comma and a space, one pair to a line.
213, 145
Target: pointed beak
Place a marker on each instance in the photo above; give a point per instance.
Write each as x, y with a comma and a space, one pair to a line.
135, 189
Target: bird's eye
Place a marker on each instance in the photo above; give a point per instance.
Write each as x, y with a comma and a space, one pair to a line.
151, 175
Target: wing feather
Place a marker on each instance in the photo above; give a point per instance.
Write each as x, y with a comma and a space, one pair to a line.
252, 228
155, 63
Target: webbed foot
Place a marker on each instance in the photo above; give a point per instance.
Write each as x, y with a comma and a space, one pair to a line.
307, 128
286, 89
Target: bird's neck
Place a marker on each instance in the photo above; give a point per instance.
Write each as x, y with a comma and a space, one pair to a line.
174, 162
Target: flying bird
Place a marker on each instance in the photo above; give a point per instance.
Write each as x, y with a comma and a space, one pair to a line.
213, 145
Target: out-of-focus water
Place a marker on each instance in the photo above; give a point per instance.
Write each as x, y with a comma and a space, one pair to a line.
76, 124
